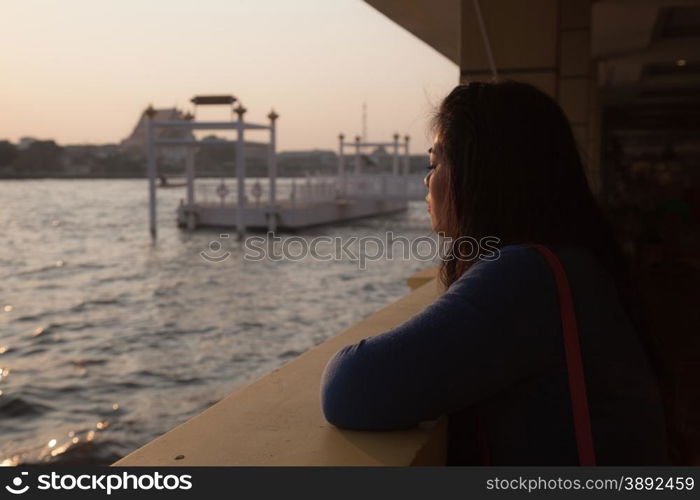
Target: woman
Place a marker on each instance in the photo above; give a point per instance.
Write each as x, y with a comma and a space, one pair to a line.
489, 353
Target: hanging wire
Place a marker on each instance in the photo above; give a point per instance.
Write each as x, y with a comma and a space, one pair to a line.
485, 36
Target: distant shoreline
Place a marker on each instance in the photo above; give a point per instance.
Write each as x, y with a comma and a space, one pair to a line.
102, 177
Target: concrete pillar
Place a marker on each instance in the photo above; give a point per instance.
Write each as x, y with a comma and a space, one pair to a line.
523, 37
546, 43
577, 91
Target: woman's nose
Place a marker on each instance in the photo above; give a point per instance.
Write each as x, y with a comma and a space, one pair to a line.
426, 179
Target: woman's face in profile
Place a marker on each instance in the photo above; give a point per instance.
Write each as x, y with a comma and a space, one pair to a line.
436, 182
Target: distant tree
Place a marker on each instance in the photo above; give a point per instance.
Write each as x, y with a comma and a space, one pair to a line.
8, 153
40, 158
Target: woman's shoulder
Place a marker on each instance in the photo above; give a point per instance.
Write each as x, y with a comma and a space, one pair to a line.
511, 273
526, 260
510, 263
521, 273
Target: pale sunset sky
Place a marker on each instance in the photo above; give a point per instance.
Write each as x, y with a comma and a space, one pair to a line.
81, 71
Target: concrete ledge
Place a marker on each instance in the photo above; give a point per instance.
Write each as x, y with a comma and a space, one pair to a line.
277, 420
422, 277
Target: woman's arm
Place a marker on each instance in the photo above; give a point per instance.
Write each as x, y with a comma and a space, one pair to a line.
494, 326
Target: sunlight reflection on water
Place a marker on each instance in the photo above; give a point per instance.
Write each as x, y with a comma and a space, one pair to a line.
108, 341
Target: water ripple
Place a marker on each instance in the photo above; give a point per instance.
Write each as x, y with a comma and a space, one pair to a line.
109, 340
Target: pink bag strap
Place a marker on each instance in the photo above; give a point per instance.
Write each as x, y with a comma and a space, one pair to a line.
574, 363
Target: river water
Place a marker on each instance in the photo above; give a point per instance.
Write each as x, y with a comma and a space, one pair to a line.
108, 340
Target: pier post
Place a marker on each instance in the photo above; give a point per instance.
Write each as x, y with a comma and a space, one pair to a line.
407, 157
151, 168
308, 194
406, 166
395, 159
341, 165
240, 173
358, 158
272, 172
189, 171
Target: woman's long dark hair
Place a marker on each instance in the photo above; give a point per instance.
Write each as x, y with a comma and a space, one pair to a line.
515, 173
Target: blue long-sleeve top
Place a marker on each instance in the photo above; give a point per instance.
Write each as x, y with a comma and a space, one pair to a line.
491, 346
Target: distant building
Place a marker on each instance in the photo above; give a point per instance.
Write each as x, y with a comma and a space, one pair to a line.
86, 160
316, 155
216, 156
298, 163
25, 142
137, 143
92, 150
213, 139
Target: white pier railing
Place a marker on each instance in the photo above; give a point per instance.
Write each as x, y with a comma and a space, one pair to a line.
296, 202
369, 186
305, 191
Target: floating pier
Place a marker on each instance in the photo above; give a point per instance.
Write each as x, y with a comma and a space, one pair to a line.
302, 202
